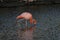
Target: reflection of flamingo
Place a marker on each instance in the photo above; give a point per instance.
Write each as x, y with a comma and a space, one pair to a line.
27, 35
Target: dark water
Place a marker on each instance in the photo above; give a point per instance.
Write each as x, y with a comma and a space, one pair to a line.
48, 22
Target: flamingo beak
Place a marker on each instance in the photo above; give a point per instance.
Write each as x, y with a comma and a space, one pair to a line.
19, 17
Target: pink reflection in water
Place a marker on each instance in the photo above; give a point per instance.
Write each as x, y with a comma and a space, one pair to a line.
25, 35
28, 35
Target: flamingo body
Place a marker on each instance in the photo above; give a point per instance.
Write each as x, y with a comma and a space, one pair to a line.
25, 15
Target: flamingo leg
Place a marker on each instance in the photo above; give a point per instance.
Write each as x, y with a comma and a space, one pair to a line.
26, 24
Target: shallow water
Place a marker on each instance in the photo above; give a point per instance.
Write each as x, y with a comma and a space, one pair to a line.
48, 22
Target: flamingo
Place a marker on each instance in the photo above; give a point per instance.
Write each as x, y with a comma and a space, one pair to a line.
27, 16
27, 34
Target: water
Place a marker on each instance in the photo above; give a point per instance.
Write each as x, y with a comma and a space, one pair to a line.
26, 35
48, 22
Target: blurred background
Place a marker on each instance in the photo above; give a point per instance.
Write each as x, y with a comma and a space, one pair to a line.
46, 12
15, 3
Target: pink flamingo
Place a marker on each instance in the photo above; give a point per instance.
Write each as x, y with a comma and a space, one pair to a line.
28, 33
27, 16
